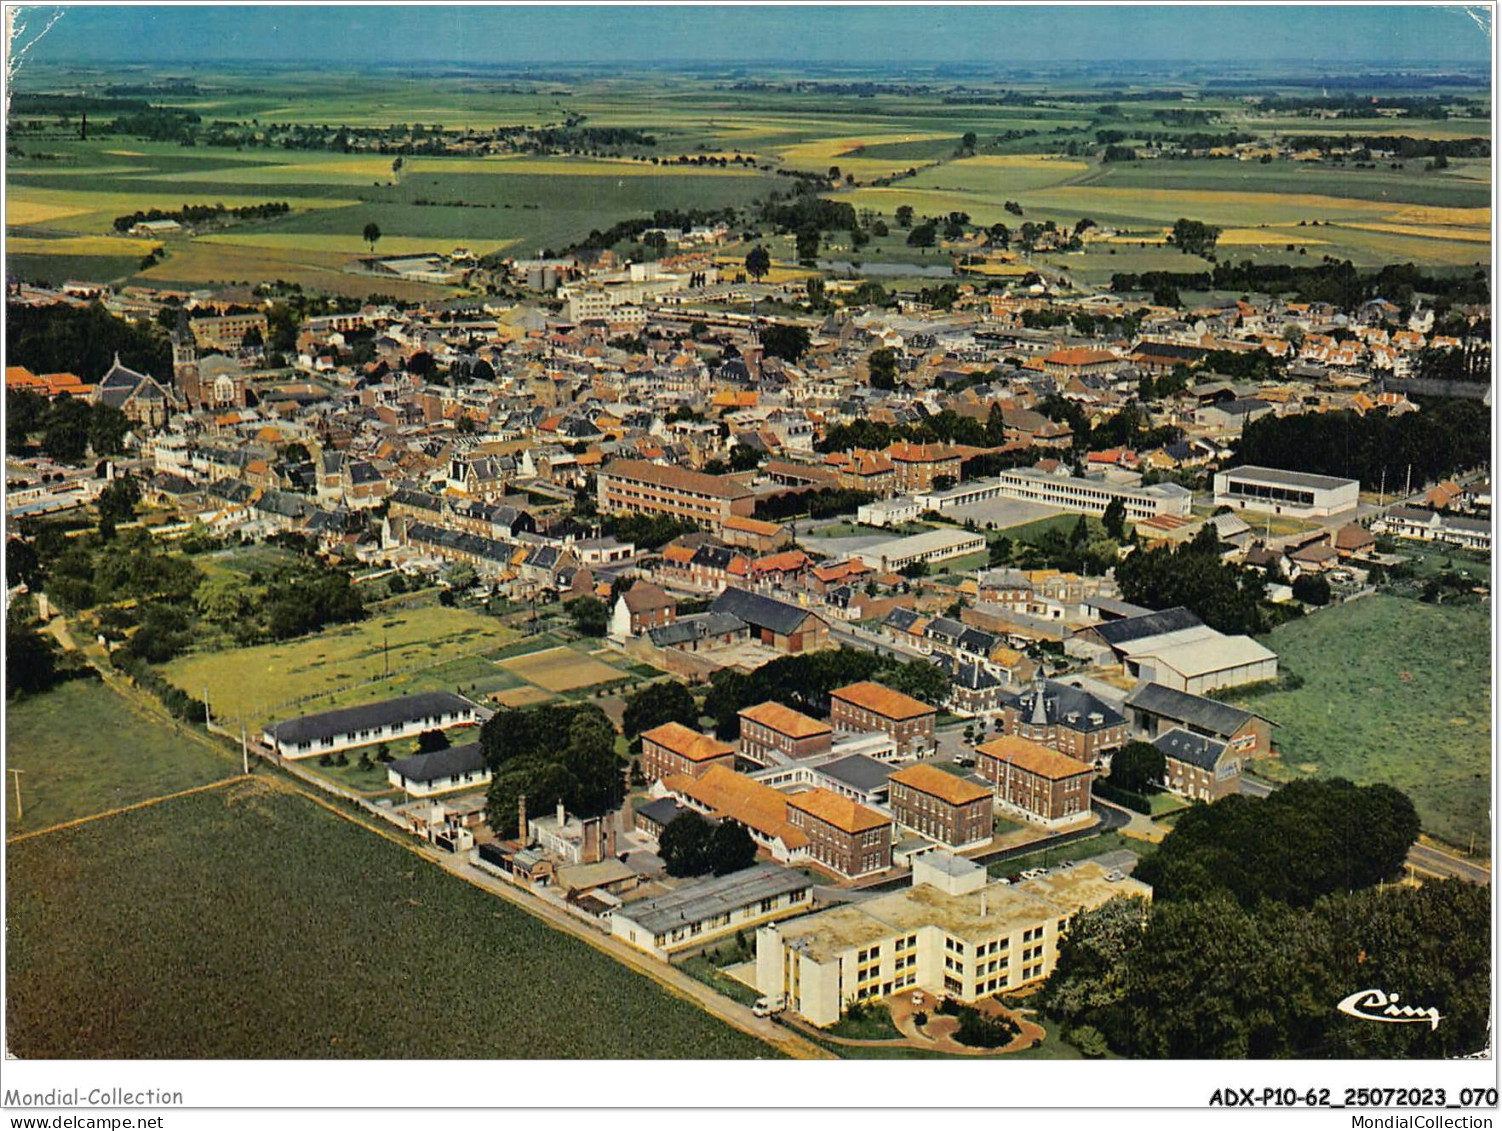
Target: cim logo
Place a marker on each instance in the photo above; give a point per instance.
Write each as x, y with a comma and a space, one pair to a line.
1379, 1005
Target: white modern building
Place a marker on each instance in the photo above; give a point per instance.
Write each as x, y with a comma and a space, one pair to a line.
930, 546
889, 512
1086, 496
1285, 492
950, 933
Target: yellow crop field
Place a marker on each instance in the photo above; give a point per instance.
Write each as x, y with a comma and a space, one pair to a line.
350, 244
1257, 237
19, 210
94, 212
561, 669
1024, 161
1456, 217
81, 171
80, 245
1426, 231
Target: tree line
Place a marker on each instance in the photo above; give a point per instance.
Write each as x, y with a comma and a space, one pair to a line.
1444, 437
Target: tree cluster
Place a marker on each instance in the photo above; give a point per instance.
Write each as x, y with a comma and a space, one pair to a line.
693, 846
1447, 436
550, 753
1227, 597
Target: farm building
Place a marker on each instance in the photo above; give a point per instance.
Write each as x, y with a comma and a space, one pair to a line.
776, 624
1155, 709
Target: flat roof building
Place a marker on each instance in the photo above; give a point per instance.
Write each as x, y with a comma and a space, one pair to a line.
1285, 492
1093, 496
930, 546
943, 935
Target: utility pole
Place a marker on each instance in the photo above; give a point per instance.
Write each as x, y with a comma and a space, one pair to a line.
18, 774
244, 751
208, 716
386, 649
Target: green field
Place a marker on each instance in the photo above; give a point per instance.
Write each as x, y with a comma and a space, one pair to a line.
254, 685
82, 748
309, 937
1045, 157
1393, 691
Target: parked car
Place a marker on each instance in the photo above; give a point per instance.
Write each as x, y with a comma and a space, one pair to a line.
766, 1006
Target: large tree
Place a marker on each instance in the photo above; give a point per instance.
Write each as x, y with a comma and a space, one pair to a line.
786, 342
651, 706
1137, 766
758, 263
1304, 841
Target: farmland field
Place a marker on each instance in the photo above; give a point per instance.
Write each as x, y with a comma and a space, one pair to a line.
83, 748
1043, 157
1393, 691
561, 669
254, 685
260, 902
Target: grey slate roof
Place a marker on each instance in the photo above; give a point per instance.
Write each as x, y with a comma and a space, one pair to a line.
1194, 710
858, 772
1060, 701
662, 811
759, 611
388, 712
1195, 749
700, 626
453, 762
1124, 631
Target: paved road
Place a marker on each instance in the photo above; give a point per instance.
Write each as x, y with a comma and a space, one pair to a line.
1421, 857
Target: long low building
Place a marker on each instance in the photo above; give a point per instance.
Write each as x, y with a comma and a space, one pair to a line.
440, 771
390, 719
1199, 666
702, 911
930, 546
1277, 491
950, 933
1090, 496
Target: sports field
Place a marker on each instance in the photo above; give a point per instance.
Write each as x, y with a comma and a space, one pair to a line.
262, 903
1393, 691
272, 681
82, 748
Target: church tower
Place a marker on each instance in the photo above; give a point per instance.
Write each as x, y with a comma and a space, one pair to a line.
185, 365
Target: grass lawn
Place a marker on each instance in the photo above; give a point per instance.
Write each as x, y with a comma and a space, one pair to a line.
274, 681
122, 930
1165, 803
83, 748
1393, 691
707, 972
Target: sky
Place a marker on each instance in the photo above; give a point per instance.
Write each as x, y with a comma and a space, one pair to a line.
791, 35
